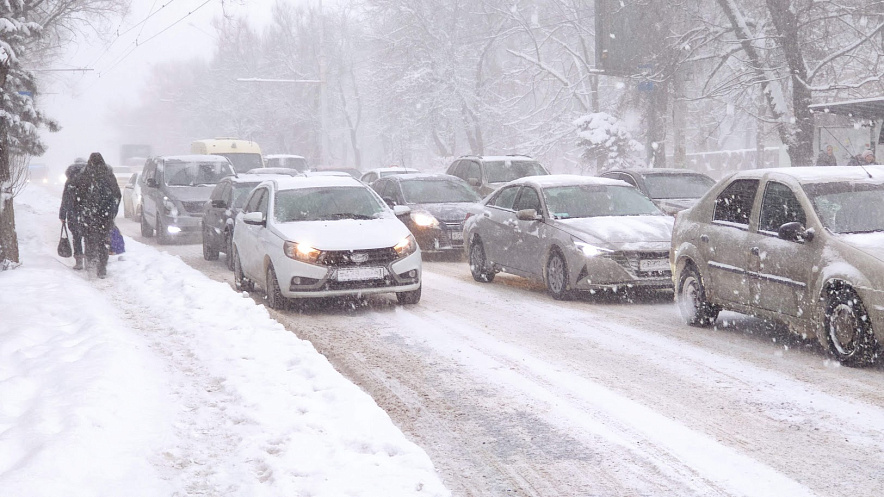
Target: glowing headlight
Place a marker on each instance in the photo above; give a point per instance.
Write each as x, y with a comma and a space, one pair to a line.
590, 250
407, 246
301, 252
424, 219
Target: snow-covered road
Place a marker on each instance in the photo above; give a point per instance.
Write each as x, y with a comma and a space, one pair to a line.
513, 393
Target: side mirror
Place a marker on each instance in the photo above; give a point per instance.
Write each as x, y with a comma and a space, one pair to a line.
795, 232
528, 215
390, 202
474, 182
151, 183
219, 203
254, 218
401, 210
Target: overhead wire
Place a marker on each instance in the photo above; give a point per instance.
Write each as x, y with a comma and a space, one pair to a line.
139, 23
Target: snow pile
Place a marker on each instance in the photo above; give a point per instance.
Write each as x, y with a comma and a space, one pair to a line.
160, 381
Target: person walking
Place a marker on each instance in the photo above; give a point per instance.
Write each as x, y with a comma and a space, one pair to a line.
98, 197
69, 212
827, 158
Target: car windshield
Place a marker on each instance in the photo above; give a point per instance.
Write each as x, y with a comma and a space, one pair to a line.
326, 204
241, 193
847, 207
567, 202
180, 173
500, 171
244, 162
663, 186
384, 174
431, 191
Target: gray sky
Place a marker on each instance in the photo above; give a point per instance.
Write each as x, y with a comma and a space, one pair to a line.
80, 100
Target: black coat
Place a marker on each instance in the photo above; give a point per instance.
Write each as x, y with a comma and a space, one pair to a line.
69, 211
97, 197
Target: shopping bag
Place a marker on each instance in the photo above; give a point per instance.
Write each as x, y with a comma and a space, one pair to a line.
117, 245
64, 243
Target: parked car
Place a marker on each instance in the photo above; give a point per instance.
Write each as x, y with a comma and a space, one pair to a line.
323, 236
132, 197
370, 176
574, 233
225, 202
802, 246
487, 173
175, 191
288, 161
438, 203
275, 171
671, 189
356, 173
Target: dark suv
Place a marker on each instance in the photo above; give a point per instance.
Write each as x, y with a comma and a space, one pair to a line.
486, 173
224, 204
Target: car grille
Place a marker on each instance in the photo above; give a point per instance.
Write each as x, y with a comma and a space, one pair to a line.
630, 262
194, 207
351, 258
453, 227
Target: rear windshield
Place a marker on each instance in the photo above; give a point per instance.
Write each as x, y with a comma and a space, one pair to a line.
297, 163
326, 204
663, 186
244, 162
566, 202
180, 173
848, 207
503, 171
437, 192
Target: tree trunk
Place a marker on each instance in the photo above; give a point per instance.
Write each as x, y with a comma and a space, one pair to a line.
8, 238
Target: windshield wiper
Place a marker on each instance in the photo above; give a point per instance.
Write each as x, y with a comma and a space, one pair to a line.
349, 215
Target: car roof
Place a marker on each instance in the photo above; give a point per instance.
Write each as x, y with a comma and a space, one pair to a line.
806, 175
294, 182
194, 158
656, 170
550, 180
418, 176
282, 171
499, 157
283, 156
395, 168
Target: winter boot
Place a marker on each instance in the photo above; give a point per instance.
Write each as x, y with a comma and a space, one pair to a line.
79, 262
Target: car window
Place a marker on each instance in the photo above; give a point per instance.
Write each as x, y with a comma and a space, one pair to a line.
241, 193
470, 170
627, 178
254, 200
505, 198
454, 169
678, 185
528, 199
263, 201
370, 177
848, 206
326, 204
132, 180
182, 173
778, 207
502, 171
433, 191
573, 201
734, 204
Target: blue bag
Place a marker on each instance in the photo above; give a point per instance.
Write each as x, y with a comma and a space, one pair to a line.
117, 245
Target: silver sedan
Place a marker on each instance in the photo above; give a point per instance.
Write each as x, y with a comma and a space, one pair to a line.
571, 232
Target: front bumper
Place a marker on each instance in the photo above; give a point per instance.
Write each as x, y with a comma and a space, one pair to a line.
445, 238
182, 225
621, 269
302, 280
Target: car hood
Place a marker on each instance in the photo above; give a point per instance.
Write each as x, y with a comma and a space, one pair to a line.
190, 193
450, 212
622, 232
672, 205
345, 234
870, 243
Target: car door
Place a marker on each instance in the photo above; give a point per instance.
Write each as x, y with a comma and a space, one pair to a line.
213, 219
527, 246
724, 242
498, 225
248, 245
780, 269
150, 192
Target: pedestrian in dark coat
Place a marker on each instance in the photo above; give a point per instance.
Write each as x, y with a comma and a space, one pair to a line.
98, 196
827, 158
68, 213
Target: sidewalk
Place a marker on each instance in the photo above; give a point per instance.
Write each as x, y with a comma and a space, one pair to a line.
158, 381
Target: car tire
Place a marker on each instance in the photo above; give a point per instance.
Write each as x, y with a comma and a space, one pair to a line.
848, 329
557, 276
272, 293
478, 262
240, 282
228, 252
162, 232
146, 230
209, 253
409, 298
691, 298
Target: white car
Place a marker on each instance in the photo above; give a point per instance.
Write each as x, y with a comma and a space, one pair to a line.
382, 172
323, 236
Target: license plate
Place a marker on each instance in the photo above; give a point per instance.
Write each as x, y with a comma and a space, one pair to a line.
653, 265
361, 273
457, 235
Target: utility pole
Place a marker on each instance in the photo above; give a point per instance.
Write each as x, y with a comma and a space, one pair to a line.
323, 84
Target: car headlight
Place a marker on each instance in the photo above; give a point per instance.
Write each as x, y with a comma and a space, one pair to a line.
407, 246
301, 252
170, 206
590, 250
424, 219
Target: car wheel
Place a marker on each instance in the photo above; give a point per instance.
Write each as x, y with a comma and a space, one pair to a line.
239, 280
209, 253
848, 329
146, 230
228, 252
691, 298
557, 276
162, 232
478, 262
409, 298
273, 294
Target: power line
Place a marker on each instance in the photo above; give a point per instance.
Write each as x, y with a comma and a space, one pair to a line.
139, 23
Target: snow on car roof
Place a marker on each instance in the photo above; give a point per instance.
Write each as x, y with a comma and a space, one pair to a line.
196, 158
820, 174
656, 170
394, 168
508, 157
401, 177
551, 180
283, 156
294, 182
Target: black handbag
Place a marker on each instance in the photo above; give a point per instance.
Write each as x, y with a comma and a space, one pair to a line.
64, 243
